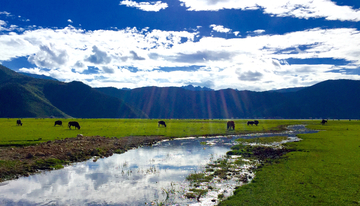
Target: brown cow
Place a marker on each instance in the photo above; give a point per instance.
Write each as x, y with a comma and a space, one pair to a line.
231, 124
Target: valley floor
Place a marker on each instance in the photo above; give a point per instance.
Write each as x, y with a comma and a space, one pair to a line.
324, 169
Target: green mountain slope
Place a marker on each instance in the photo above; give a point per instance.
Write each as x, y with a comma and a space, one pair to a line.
80, 100
24, 96
174, 102
329, 99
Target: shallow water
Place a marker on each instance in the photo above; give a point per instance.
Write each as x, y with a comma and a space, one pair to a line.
147, 175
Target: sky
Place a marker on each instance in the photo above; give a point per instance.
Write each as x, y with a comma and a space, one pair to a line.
255, 45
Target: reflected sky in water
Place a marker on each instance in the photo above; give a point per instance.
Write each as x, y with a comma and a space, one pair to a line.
133, 178
139, 176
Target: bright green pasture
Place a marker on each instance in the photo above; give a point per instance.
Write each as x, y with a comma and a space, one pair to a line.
39, 130
324, 170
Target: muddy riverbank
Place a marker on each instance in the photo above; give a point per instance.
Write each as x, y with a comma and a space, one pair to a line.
156, 174
23, 161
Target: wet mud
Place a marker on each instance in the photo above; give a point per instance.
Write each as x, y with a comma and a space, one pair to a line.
23, 161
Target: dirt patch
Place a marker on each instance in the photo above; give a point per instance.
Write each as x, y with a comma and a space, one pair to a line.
23, 161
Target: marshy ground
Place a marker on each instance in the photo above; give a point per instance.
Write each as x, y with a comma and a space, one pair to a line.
39, 145
320, 170
22, 161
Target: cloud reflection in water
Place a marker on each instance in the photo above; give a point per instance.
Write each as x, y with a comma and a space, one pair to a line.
133, 178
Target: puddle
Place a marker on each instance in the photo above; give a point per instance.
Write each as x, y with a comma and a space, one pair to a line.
144, 176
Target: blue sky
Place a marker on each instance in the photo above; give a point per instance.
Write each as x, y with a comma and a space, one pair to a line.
246, 45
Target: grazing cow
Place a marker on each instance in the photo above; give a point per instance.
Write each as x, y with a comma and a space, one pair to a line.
250, 122
75, 124
161, 123
256, 122
323, 121
58, 122
231, 124
18, 122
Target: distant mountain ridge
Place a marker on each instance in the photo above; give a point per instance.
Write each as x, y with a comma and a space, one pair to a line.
196, 88
37, 76
24, 96
329, 99
286, 90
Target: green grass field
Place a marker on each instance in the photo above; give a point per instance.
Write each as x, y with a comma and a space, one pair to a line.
324, 170
40, 130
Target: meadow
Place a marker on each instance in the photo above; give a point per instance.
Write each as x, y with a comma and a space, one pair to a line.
324, 169
36, 131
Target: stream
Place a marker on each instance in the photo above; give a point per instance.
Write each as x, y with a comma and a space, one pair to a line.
150, 175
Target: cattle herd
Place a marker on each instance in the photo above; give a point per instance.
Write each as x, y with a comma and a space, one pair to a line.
58, 122
229, 125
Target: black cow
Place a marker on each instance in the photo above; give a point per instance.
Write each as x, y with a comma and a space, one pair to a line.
18, 122
58, 122
161, 123
323, 121
250, 122
231, 125
75, 124
256, 122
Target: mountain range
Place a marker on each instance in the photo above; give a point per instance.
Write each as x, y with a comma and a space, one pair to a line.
26, 96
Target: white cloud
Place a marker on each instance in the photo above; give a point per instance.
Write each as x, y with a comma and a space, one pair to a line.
259, 31
145, 6
282, 8
98, 56
49, 57
5, 13
70, 21
134, 58
2, 23
220, 28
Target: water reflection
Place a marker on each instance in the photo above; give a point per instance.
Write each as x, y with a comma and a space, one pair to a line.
133, 178
137, 177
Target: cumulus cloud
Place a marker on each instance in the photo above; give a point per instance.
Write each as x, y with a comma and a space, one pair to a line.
49, 57
145, 6
2, 23
135, 58
108, 70
70, 21
259, 31
220, 28
5, 13
4, 27
201, 56
295, 8
250, 76
98, 56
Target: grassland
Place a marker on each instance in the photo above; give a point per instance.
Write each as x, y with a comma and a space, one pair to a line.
48, 146
324, 169
36, 131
